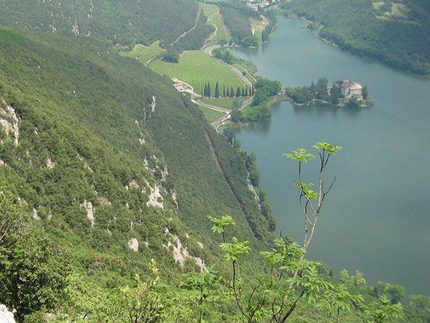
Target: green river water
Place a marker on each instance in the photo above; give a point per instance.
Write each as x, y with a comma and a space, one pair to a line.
377, 217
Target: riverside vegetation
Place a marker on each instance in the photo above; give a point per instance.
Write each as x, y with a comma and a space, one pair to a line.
107, 177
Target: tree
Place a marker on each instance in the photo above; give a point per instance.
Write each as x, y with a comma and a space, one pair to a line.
205, 91
365, 92
32, 270
355, 280
236, 104
353, 103
311, 201
381, 309
203, 289
209, 90
238, 92
235, 115
219, 225
335, 92
143, 302
259, 98
217, 90
395, 293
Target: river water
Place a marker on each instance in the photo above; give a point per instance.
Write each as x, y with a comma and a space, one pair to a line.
377, 217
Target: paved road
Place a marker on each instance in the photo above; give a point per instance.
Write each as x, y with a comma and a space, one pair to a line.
209, 50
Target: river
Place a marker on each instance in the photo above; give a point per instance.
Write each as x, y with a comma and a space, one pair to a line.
377, 217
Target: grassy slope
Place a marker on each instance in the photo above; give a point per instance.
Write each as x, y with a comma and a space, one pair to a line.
144, 54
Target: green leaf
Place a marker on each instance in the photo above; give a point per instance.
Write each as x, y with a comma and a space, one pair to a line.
301, 155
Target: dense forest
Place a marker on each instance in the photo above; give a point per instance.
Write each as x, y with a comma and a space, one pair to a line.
119, 203
119, 23
395, 33
236, 17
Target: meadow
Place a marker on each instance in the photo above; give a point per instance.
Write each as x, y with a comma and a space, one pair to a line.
215, 18
226, 103
197, 69
210, 114
144, 54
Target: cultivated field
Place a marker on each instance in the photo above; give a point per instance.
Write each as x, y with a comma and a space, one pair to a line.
197, 69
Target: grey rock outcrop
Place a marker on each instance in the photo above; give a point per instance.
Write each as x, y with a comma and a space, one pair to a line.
5, 315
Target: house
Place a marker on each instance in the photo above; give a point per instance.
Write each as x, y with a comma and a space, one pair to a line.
351, 90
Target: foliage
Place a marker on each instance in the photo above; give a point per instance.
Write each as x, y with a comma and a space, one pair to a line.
100, 132
221, 35
87, 121
32, 269
236, 18
268, 30
143, 302
144, 54
397, 40
265, 88
311, 201
315, 92
195, 37
119, 23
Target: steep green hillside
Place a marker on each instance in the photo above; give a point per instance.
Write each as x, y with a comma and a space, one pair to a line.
101, 150
119, 22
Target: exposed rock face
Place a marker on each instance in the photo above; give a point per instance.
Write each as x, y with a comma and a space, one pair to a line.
5, 315
155, 197
90, 212
9, 120
133, 244
180, 253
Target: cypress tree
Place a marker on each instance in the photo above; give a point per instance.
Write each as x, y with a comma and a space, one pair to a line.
238, 91
217, 90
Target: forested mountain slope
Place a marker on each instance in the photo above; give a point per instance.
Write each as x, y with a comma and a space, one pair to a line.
119, 22
107, 156
394, 32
